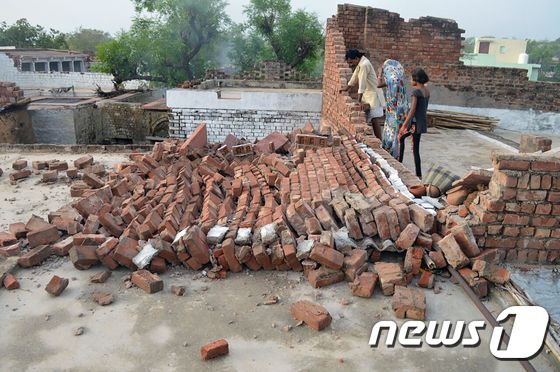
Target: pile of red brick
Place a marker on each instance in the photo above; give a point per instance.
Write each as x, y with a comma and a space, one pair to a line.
9, 93
301, 202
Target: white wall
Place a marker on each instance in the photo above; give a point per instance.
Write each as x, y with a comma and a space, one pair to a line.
292, 100
37, 80
247, 114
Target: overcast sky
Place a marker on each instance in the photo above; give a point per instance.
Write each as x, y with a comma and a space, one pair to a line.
535, 19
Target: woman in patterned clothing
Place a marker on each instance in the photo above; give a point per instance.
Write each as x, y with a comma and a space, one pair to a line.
391, 75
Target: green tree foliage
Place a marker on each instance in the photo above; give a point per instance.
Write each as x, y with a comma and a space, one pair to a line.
247, 48
468, 45
169, 41
547, 54
86, 39
22, 34
273, 30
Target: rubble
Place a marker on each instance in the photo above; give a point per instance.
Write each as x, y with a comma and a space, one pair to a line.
327, 206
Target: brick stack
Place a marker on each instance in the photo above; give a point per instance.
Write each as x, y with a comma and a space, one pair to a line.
9, 93
517, 217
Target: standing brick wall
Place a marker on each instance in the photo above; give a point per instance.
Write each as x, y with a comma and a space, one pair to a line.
519, 213
339, 109
429, 42
248, 124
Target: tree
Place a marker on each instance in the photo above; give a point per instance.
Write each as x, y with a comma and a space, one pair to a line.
247, 48
24, 35
86, 39
187, 26
265, 16
294, 37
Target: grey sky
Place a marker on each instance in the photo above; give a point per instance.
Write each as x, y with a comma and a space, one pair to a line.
536, 19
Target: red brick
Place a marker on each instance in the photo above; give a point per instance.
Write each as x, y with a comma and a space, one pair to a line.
198, 139
19, 164
426, 280
390, 274
491, 272
125, 252
148, 282
413, 260
438, 259
364, 285
550, 165
109, 222
103, 298
324, 276
422, 218
327, 256
531, 195
11, 250
92, 180
453, 253
83, 161
7, 238
464, 237
517, 165
195, 240
407, 237
20, 175
83, 256
100, 277
63, 247
313, 315
214, 349
35, 256
228, 247
18, 229
10, 282
514, 219
56, 285
409, 303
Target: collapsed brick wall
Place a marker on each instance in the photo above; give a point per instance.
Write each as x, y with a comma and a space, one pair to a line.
434, 44
519, 212
249, 124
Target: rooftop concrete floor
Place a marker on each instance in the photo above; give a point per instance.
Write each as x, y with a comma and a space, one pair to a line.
164, 332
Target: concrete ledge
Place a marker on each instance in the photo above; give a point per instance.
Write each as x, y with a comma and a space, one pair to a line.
6, 147
245, 100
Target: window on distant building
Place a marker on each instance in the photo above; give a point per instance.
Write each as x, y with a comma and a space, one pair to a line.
41, 66
26, 66
484, 47
78, 66
53, 66
66, 66
502, 49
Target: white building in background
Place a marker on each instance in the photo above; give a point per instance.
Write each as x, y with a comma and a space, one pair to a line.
39, 70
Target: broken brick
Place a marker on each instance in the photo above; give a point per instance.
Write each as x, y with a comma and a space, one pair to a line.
100, 277
390, 274
10, 282
83, 256
364, 285
453, 253
148, 282
35, 256
409, 303
491, 272
43, 236
313, 315
56, 285
407, 237
327, 256
103, 298
214, 349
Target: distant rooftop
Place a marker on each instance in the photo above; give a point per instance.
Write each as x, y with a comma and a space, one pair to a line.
41, 52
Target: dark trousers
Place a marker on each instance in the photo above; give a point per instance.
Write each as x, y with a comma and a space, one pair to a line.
416, 143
